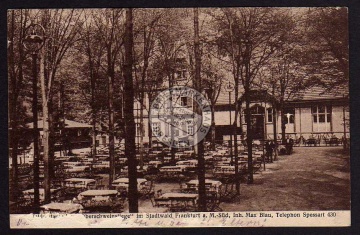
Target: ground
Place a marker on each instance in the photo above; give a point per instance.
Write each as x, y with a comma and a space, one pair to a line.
312, 178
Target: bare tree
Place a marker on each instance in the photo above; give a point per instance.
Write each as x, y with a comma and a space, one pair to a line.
326, 48
213, 78
170, 53
92, 48
129, 113
248, 37
61, 27
148, 22
198, 87
109, 24
17, 22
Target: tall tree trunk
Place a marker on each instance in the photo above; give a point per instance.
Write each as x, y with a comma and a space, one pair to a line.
142, 99
93, 107
235, 137
46, 139
141, 131
111, 126
213, 137
275, 125
283, 125
149, 124
51, 139
93, 129
129, 113
200, 145
14, 163
15, 80
35, 136
172, 134
249, 137
248, 116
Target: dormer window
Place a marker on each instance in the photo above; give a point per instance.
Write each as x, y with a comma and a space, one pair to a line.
180, 74
183, 101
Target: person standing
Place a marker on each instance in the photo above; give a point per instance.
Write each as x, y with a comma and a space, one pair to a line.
269, 151
272, 149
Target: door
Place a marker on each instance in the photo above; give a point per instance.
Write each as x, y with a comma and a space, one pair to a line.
257, 125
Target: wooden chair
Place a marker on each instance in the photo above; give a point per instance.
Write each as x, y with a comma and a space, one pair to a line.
228, 193
56, 183
213, 202
61, 196
297, 142
92, 185
23, 206
146, 190
157, 201
256, 166
117, 204
177, 207
159, 193
152, 199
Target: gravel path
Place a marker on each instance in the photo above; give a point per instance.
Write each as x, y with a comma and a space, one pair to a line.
312, 178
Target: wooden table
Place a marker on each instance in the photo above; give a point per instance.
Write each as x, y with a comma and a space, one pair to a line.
62, 207
79, 182
311, 141
29, 194
211, 185
100, 201
98, 193
178, 169
178, 201
124, 182
179, 196
334, 141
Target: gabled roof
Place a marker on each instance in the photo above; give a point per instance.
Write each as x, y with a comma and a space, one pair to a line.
259, 95
68, 124
317, 93
311, 94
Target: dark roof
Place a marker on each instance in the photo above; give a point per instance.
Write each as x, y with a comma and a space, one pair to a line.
316, 93
259, 95
68, 124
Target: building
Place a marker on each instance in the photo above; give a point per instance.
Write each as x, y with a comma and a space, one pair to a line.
314, 113
73, 135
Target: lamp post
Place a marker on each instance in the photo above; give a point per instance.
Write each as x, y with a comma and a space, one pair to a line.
249, 129
33, 42
229, 88
209, 93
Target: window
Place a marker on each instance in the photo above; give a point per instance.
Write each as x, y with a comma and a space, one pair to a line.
244, 115
289, 115
183, 101
138, 132
190, 130
269, 115
321, 113
156, 128
180, 74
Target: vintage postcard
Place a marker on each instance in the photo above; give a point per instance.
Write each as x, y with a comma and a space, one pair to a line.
178, 117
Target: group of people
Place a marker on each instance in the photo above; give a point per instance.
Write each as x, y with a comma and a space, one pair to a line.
270, 148
289, 145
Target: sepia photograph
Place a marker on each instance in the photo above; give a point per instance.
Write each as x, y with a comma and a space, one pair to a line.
233, 116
